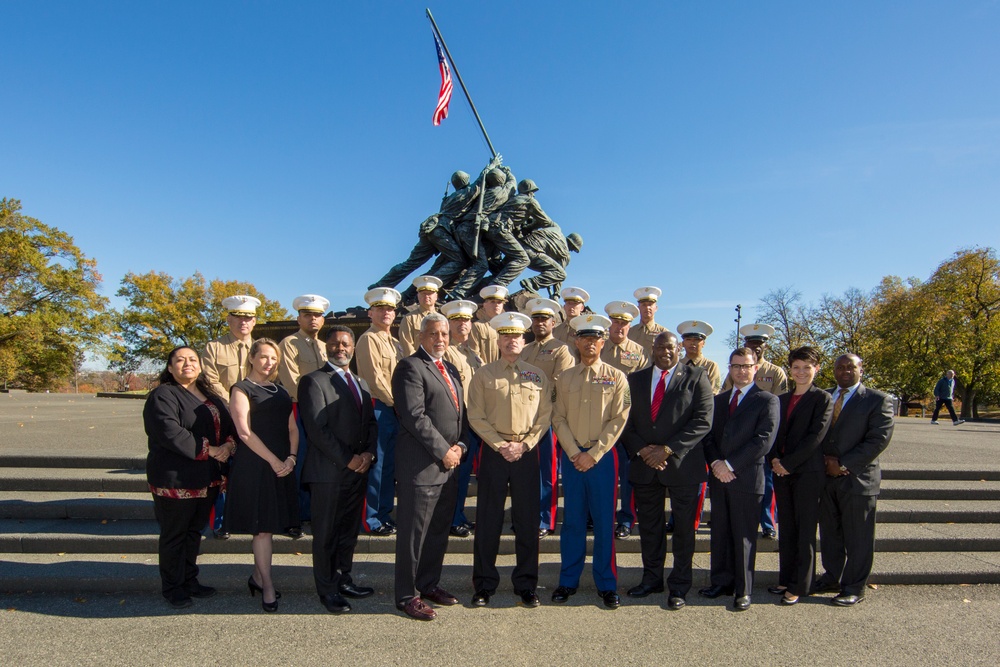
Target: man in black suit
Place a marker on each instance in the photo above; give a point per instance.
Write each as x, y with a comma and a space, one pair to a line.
860, 430
671, 413
337, 414
743, 429
429, 404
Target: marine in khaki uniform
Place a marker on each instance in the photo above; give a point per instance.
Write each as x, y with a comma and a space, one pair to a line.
484, 337
574, 301
224, 363
553, 356
377, 354
301, 354
510, 407
465, 358
646, 331
627, 356
592, 405
693, 334
225, 359
409, 328
772, 378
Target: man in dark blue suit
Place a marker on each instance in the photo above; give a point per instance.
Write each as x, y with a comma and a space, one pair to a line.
428, 395
671, 413
744, 426
336, 411
860, 430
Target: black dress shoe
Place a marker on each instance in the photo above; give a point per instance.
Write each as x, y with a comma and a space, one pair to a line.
590, 525
826, 586
622, 531
352, 590
295, 532
179, 601
742, 603
220, 534
481, 598
529, 599
777, 590
562, 594
669, 528
544, 532
335, 603
611, 599
769, 534
713, 592
642, 590
675, 600
788, 599
196, 590
461, 530
847, 600
385, 530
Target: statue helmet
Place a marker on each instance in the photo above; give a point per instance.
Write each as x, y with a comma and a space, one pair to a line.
459, 179
527, 186
574, 241
495, 177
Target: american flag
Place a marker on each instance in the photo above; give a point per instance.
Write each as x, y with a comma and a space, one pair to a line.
444, 95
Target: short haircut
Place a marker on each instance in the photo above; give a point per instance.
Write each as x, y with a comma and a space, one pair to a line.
338, 328
804, 353
431, 319
743, 352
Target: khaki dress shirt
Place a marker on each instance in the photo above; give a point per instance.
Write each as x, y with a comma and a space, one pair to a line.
628, 357
711, 368
377, 354
645, 334
409, 330
224, 363
553, 356
466, 361
592, 404
510, 402
300, 355
769, 378
485, 342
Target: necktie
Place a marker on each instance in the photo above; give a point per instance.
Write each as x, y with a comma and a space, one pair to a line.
838, 406
354, 389
736, 401
661, 386
447, 379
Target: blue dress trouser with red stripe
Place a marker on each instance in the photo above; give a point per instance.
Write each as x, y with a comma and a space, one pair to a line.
592, 492
767, 504
549, 455
465, 476
381, 494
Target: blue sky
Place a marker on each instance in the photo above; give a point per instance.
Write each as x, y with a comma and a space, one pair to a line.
717, 150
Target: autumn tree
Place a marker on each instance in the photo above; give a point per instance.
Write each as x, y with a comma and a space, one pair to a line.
163, 312
49, 305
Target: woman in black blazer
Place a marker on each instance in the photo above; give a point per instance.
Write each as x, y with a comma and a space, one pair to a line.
190, 437
797, 462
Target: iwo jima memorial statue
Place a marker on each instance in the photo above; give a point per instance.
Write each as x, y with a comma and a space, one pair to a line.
486, 231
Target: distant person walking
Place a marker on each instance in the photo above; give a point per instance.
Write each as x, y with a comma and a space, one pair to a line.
944, 394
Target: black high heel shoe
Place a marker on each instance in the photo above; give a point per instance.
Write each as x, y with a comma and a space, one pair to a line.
269, 607
254, 589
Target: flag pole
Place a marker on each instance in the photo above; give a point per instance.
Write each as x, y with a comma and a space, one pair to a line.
460, 82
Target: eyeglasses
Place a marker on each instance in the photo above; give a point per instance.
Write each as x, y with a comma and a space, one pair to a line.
741, 367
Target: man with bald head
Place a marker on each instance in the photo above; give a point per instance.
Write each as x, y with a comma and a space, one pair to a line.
860, 431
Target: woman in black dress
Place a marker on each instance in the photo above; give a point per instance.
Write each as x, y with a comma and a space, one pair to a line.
190, 436
262, 498
797, 462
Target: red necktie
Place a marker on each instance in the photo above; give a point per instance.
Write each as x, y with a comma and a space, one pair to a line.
661, 386
354, 389
447, 379
736, 401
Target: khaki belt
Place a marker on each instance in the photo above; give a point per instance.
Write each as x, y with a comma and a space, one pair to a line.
513, 438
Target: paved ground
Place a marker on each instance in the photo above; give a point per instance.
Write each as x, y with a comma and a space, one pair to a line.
948, 625
897, 625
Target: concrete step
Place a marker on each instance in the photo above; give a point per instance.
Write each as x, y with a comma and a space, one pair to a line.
49, 461
118, 505
954, 471
140, 536
894, 489
138, 572
74, 479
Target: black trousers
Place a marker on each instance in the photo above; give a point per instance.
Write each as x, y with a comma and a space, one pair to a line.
798, 496
423, 516
846, 535
496, 476
335, 509
181, 522
735, 516
649, 505
946, 402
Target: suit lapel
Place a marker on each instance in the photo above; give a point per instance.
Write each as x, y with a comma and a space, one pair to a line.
751, 390
433, 369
